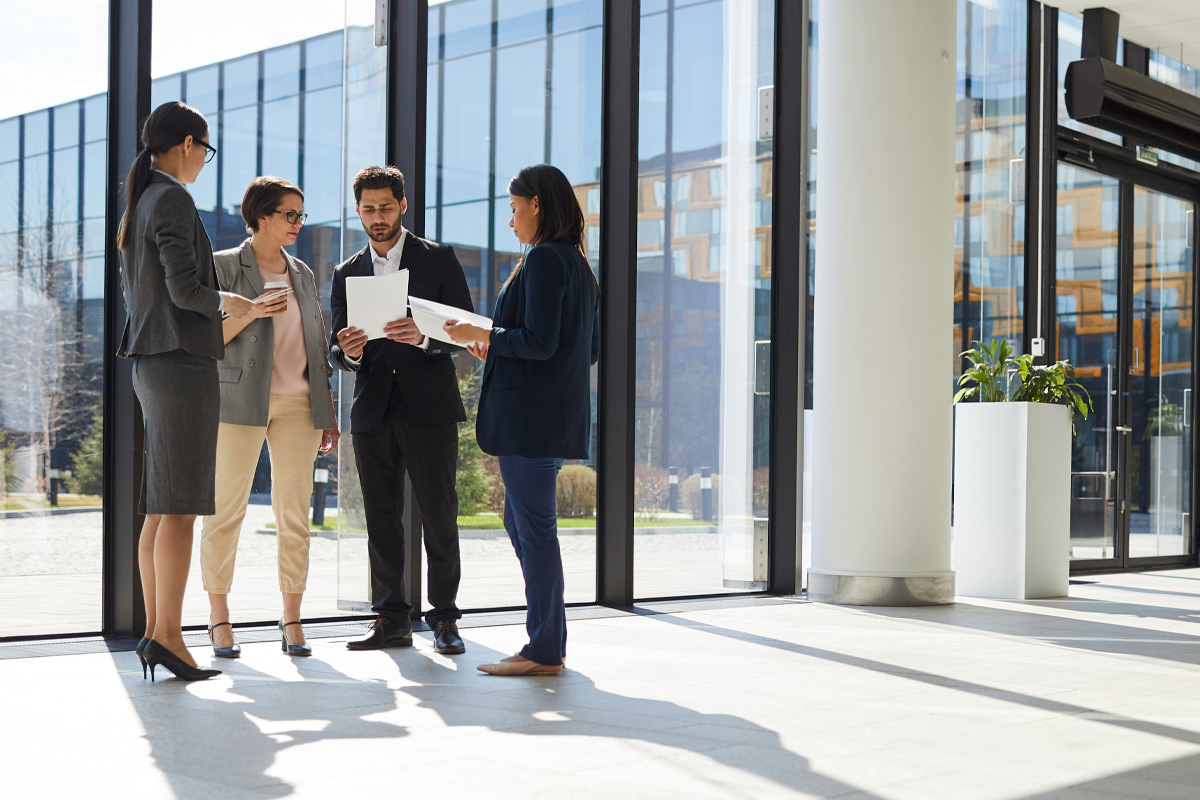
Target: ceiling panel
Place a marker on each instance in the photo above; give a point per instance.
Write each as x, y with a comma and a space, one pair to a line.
1171, 27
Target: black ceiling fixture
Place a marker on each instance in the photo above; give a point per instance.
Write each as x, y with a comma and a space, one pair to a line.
1125, 101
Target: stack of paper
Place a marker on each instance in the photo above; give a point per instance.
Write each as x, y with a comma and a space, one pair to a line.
431, 316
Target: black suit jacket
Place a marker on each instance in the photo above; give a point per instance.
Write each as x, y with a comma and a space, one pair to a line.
535, 399
425, 380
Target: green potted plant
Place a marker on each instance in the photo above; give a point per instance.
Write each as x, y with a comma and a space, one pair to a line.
1012, 473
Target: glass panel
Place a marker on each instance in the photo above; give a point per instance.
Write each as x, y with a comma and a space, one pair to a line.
52, 362
1174, 72
362, 145
1086, 303
1070, 40
1161, 389
301, 140
468, 209
703, 299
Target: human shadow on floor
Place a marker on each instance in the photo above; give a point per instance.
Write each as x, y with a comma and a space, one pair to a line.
570, 704
230, 731
904, 672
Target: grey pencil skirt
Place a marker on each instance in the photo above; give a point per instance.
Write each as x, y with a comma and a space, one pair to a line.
181, 405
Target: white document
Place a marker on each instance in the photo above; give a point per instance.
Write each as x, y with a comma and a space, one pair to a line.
431, 316
372, 302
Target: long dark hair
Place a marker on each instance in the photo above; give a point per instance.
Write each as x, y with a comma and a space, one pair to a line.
167, 126
560, 216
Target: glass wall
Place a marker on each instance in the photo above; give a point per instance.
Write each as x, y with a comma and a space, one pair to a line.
304, 99
52, 196
511, 83
703, 298
989, 228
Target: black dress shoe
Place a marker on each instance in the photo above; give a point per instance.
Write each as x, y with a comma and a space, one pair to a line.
384, 633
446, 639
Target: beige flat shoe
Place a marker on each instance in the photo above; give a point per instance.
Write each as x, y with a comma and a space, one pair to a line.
520, 665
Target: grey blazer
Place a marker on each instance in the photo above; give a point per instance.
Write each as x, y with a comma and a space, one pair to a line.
167, 277
246, 368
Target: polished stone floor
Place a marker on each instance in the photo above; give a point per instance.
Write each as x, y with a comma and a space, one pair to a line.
1095, 696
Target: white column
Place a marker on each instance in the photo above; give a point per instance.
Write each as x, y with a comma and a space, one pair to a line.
884, 303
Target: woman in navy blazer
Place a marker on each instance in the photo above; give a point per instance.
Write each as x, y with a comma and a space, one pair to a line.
535, 406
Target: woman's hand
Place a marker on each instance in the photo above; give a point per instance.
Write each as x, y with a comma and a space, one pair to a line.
478, 349
465, 332
271, 308
329, 440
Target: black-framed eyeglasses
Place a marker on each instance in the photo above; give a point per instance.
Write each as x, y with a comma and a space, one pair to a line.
292, 216
210, 151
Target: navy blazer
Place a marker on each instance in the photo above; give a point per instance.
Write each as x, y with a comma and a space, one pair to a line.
425, 381
535, 399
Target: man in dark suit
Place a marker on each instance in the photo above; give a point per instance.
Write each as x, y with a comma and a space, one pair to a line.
405, 415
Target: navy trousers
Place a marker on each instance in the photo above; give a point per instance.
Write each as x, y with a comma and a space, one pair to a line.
531, 519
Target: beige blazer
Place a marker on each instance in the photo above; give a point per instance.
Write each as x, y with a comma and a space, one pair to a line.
245, 370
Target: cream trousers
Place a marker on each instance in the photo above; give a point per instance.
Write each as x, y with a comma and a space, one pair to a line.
292, 442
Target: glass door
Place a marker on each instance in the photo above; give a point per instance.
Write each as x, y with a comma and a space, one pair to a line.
1086, 297
1160, 372
1124, 296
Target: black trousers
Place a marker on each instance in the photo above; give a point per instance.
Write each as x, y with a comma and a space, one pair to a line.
430, 453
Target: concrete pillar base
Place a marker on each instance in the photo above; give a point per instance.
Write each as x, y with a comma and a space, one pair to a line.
880, 590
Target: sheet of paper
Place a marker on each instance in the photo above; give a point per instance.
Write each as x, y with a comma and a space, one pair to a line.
431, 316
372, 302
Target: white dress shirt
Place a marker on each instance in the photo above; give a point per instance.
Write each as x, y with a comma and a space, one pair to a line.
389, 265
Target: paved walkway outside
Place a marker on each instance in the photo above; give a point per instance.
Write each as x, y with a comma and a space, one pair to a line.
50, 572
1092, 697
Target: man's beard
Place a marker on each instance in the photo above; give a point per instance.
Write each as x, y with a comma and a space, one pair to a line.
383, 237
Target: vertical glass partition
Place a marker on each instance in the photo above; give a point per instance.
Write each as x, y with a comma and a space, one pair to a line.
52, 193
511, 83
299, 94
703, 298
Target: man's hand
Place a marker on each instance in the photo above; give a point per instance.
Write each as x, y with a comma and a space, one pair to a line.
352, 341
237, 306
404, 330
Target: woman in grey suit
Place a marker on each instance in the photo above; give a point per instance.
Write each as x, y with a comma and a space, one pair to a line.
274, 386
173, 334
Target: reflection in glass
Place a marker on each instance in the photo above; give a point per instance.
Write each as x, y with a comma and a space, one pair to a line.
703, 299
546, 105
1161, 389
52, 189
1086, 298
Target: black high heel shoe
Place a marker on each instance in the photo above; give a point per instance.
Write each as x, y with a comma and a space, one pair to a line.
141, 654
219, 651
288, 647
157, 654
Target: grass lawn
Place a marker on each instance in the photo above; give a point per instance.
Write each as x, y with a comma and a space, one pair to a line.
28, 501
493, 522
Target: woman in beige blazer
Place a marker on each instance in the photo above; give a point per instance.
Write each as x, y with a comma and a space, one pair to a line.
274, 383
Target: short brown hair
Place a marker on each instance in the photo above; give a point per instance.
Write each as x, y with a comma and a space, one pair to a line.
388, 177
262, 196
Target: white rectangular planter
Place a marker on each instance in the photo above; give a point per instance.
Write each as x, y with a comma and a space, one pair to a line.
1012, 499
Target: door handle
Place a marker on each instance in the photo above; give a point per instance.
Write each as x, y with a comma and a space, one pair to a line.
1123, 429
1137, 360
